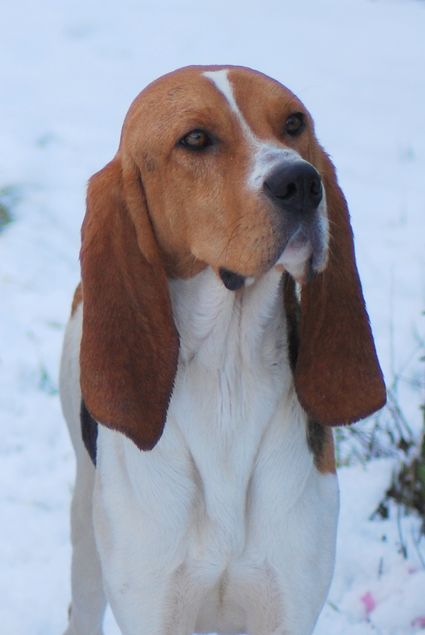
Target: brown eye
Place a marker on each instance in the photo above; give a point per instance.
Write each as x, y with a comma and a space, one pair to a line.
196, 140
295, 124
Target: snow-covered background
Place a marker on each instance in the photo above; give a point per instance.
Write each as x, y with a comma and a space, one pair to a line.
68, 71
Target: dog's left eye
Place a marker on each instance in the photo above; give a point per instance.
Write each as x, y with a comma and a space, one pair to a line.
295, 124
196, 140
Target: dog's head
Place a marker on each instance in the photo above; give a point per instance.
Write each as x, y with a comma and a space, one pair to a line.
217, 167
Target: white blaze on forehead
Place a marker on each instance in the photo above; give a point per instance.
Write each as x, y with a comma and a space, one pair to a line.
221, 81
266, 155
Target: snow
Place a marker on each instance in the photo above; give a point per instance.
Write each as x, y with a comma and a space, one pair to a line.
68, 72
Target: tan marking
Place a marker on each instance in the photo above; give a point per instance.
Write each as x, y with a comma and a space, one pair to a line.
325, 460
77, 299
129, 344
201, 204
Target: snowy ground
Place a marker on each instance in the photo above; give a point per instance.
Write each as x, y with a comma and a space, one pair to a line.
68, 71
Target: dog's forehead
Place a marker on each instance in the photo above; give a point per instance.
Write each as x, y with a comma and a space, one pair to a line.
212, 89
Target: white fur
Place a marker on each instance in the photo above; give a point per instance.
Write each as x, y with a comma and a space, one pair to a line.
88, 598
226, 525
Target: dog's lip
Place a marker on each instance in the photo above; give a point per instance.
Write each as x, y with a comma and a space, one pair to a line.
297, 256
301, 257
297, 249
294, 257
231, 280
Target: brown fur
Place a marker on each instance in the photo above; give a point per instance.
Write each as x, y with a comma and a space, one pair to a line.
129, 345
321, 443
77, 299
201, 207
337, 377
319, 438
326, 463
158, 210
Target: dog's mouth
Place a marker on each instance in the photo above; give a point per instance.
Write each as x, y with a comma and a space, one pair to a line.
303, 255
299, 257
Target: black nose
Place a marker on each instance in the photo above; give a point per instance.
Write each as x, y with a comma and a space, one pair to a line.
295, 187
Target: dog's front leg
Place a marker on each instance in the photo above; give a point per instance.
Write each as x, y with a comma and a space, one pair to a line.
292, 542
88, 598
150, 604
142, 514
301, 564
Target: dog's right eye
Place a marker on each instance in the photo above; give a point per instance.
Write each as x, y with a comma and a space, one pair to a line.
196, 140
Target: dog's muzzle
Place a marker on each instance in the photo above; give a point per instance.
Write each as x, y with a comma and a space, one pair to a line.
296, 191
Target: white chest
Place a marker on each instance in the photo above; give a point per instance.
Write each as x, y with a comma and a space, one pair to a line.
218, 502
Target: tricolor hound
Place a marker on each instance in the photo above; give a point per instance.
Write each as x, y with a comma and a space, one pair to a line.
218, 332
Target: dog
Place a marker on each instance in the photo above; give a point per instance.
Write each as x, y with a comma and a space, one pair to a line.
218, 333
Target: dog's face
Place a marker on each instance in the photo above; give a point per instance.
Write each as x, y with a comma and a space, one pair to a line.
218, 167
231, 174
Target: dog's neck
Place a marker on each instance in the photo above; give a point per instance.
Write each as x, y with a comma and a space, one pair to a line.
217, 326
232, 379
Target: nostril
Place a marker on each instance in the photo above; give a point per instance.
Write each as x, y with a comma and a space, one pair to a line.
316, 188
291, 190
280, 189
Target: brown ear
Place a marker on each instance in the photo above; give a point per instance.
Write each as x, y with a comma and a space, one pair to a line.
129, 345
337, 374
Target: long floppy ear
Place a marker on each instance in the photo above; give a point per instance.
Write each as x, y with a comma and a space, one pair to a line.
337, 375
129, 345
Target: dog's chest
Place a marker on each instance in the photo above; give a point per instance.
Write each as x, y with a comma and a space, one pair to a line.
233, 457
222, 415
232, 380
230, 400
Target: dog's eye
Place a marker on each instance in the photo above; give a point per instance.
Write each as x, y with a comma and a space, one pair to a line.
295, 124
196, 140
